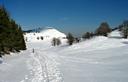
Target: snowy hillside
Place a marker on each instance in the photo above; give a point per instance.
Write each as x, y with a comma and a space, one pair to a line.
115, 34
46, 34
99, 59
50, 32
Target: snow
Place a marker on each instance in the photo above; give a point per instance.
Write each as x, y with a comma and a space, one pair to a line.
96, 66
99, 59
51, 32
48, 34
115, 34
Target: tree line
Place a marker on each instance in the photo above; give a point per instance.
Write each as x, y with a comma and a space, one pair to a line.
102, 30
11, 35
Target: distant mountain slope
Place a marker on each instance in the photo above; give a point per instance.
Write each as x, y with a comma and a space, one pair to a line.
45, 34
51, 32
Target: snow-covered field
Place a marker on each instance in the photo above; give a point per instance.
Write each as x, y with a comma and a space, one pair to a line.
100, 59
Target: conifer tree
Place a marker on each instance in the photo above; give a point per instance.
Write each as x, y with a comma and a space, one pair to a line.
11, 35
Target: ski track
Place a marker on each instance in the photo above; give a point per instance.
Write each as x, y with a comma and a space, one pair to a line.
43, 68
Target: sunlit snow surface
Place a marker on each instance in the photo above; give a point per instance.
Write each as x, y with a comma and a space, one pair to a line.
47, 34
100, 59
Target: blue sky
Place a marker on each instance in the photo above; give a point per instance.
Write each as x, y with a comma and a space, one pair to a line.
75, 16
